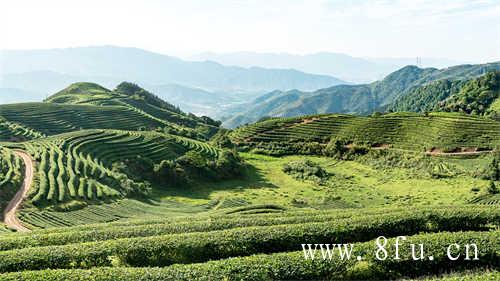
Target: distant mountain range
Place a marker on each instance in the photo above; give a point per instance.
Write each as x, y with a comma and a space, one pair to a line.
356, 99
50, 70
238, 94
348, 68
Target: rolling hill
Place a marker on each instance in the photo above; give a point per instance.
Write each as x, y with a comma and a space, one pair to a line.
90, 106
352, 99
407, 131
89, 145
122, 185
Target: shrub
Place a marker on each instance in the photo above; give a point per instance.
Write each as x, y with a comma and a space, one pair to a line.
492, 188
194, 166
335, 148
306, 170
475, 189
222, 140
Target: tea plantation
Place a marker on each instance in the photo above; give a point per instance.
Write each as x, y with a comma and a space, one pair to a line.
128, 187
408, 131
249, 247
80, 165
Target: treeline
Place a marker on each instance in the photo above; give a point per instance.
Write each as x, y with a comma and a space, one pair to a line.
473, 96
427, 97
190, 167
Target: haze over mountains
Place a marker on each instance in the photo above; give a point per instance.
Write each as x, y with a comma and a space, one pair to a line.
345, 67
260, 85
49, 70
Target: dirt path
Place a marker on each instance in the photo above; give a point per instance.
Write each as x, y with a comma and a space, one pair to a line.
458, 153
10, 218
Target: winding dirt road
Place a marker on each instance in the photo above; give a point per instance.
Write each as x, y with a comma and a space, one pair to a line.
9, 213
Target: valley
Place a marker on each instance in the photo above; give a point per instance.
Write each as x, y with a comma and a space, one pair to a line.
318, 140
122, 185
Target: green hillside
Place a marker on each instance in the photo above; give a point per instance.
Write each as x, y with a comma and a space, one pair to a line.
447, 132
96, 165
356, 99
51, 119
84, 93
127, 187
475, 96
90, 106
132, 96
426, 97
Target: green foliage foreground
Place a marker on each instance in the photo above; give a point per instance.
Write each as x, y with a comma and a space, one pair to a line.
195, 247
293, 266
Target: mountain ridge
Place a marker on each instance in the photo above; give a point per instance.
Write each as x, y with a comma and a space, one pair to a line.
355, 99
88, 105
149, 68
343, 66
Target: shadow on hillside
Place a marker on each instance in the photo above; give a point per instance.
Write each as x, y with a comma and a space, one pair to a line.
252, 179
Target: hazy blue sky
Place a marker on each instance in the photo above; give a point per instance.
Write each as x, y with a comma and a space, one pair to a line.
458, 29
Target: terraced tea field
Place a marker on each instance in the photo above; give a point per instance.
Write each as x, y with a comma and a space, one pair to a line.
51, 119
89, 106
120, 210
131, 96
354, 184
10, 131
403, 131
79, 165
201, 248
117, 197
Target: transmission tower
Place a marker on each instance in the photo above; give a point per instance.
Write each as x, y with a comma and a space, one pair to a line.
419, 62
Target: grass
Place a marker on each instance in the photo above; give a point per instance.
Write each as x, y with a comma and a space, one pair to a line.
83, 136
353, 184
